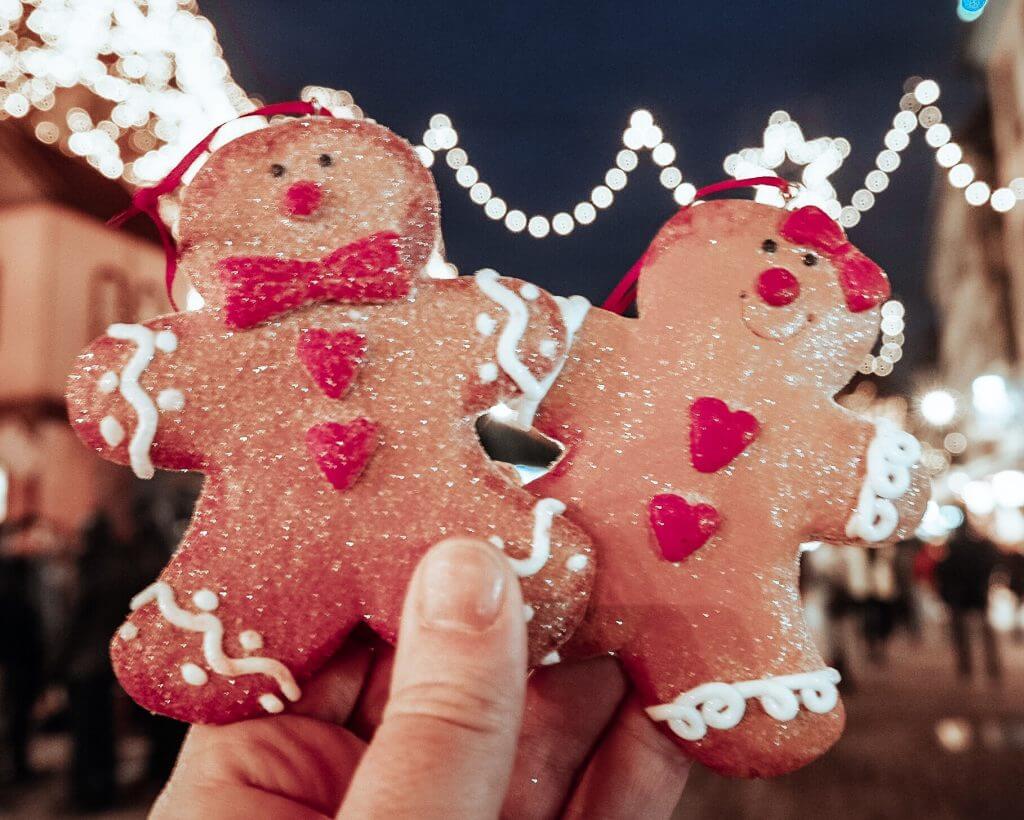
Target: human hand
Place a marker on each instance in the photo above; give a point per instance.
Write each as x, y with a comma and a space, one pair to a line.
458, 733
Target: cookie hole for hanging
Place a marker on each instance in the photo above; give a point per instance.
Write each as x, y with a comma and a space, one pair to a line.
528, 451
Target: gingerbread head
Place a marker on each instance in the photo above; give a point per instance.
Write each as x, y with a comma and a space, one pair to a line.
306, 195
328, 390
704, 447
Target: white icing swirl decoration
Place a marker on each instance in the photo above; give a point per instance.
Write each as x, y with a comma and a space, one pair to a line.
891, 454
719, 705
213, 645
573, 310
147, 342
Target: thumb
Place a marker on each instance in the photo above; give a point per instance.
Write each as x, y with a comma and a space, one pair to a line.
447, 739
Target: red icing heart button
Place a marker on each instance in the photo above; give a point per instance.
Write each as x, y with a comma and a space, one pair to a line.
718, 434
680, 527
342, 451
331, 359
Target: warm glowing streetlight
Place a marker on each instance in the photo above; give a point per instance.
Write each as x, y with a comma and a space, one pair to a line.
938, 407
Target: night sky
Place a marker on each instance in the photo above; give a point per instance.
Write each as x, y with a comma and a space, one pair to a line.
541, 91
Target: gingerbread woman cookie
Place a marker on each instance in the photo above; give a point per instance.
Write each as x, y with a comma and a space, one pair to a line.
704, 447
328, 390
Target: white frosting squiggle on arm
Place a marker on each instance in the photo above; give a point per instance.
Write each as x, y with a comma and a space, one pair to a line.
719, 705
573, 311
146, 343
544, 512
213, 638
890, 456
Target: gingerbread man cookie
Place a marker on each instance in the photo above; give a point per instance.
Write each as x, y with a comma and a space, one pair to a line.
704, 447
328, 390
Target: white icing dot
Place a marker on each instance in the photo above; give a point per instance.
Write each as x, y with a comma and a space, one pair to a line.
485, 324
528, 613
497, 540
108, 382
251, 640
128, 632
171, 399
272, 703
488, 372
548, 347
355, 315
111, 430
577, 562
166, 341
193, 675
206, 600
551, 658
529, 291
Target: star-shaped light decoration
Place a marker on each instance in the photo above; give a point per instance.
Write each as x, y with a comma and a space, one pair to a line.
784, 142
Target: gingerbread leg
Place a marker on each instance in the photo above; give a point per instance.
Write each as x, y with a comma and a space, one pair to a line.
251, 628
692, 663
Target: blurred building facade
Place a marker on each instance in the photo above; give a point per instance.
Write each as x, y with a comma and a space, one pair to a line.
977, 267
64, 277
976, 279
976, 273
1005, 75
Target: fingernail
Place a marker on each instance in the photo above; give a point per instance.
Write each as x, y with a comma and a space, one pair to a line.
461, 586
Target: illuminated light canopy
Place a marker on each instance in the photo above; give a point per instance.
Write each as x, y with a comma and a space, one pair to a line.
938, 407
154, 68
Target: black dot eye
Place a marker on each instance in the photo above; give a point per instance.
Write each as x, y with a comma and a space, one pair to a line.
810, 260
277, 170
325, 160
769, 246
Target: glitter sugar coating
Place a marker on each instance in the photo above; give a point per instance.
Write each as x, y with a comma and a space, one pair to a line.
779, 463
336, 430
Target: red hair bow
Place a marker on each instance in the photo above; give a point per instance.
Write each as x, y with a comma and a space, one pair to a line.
864, 283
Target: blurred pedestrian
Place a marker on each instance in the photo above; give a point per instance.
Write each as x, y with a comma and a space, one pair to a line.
879, 604
98, 610
963, 578
1013, 563
21, 654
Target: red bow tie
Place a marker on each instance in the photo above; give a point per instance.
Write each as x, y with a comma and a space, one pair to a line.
864, 283
260, 287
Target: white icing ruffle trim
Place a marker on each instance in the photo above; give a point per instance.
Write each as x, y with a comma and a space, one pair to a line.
891, 454
719, 705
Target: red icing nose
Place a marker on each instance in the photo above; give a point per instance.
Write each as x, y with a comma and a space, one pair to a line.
302, 198
777, 287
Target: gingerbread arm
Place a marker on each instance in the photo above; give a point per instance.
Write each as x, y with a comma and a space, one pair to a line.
126, 395
870, 485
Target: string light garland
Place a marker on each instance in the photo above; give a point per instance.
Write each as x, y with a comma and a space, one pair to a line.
157, 71
783, 140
